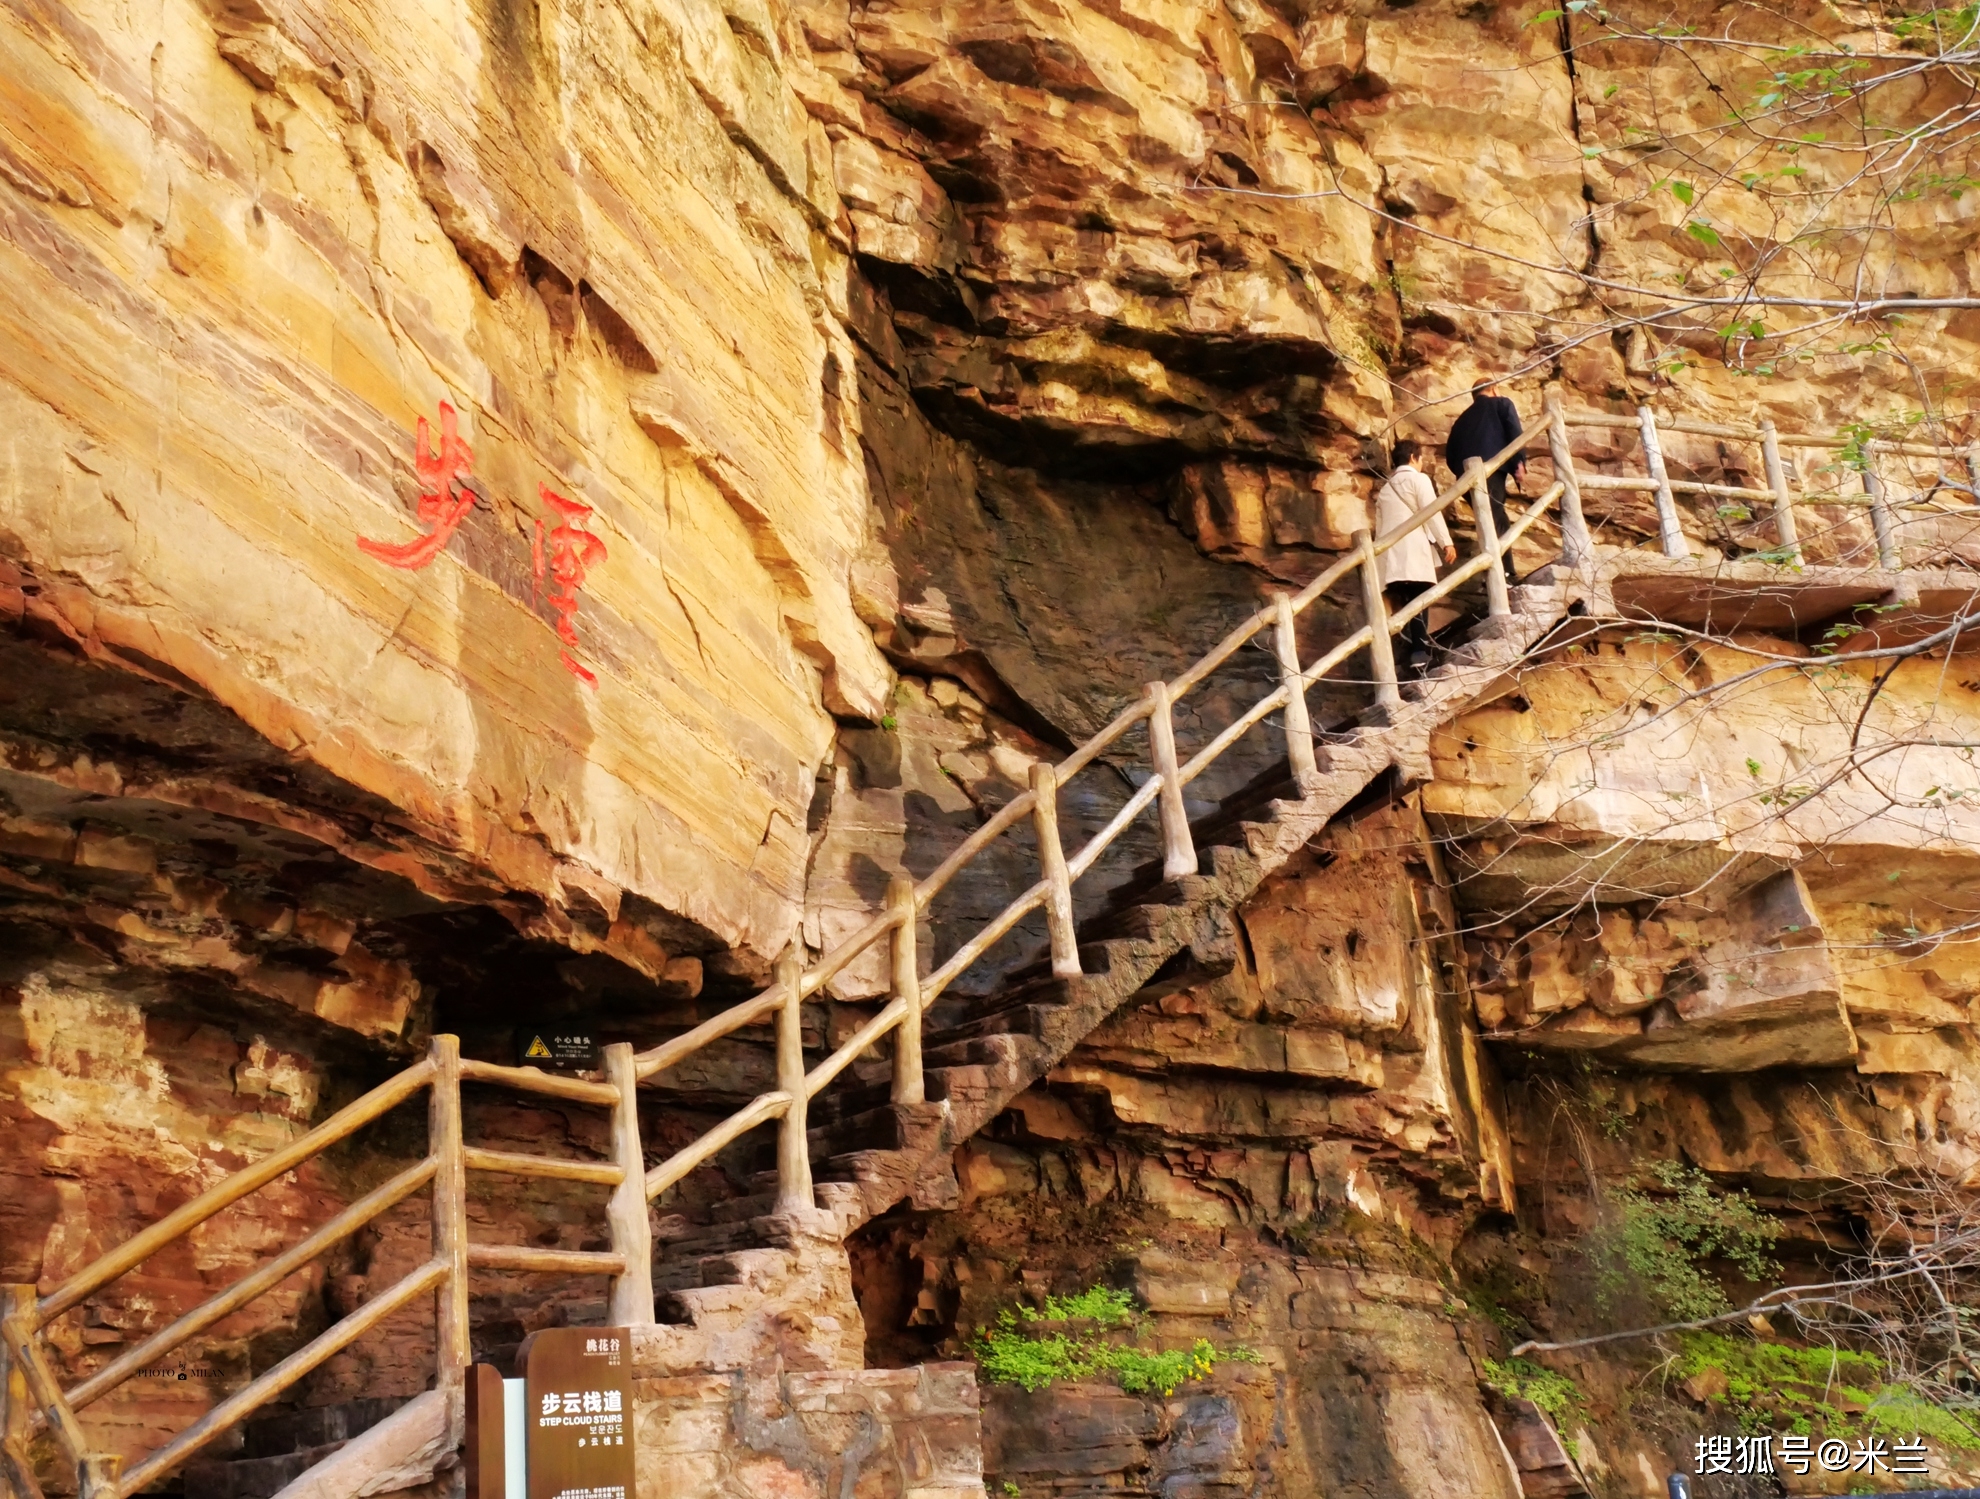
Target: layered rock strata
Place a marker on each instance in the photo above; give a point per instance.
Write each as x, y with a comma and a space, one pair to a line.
933, 378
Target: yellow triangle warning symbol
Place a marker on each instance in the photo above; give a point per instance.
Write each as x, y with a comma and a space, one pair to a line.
536, 1048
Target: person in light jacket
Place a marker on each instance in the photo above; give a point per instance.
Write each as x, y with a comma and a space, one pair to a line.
1410, 566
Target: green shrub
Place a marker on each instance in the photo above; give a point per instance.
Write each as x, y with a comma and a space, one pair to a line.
1101, 1304
1010, 1353
1775, 1386
1660, 1244
1556, 1394
1009, 1357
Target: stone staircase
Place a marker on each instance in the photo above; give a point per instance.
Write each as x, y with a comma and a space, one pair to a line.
278, 1448
720, 1285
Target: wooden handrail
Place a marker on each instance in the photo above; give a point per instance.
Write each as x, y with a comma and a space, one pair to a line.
1779, 495
348, 1120
793, 1154
442, 1073
512, 1163
1458, 576
749, 1012
993, 930
545, 1261
337, 1338
25, 1350
1624, 483
1743, 433
243, 1291
759, 1110
535, 1080
759, 1007
626, 1217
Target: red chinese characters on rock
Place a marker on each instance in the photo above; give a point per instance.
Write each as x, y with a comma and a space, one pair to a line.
447, 494
439, 505
572, 550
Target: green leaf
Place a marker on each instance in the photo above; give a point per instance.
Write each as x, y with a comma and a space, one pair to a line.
1546, 15
1704, 233
1684, 192
1752, 766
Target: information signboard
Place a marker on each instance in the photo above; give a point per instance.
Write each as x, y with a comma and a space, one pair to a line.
578, 1409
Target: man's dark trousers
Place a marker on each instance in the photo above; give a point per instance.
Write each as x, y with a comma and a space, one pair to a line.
1415, 635
1495, 489
1484, 429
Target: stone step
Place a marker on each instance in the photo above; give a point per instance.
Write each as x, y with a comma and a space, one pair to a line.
680, 1263
702, 1306
829, 1197
253, 1477
1097, 960
843, 1101
892, 1126
1024, 1020
279, 1446
275, 1432
992, 1050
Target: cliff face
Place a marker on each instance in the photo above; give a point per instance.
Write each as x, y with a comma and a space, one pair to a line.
860, 403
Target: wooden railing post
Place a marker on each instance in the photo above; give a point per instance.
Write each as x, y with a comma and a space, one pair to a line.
1497, 601
452, 1350
16, 1404
1052, 864
27, 1361
1178, 849
626, 1213
1881, 520
1576, 548
1784, 528
1299, 722
100, 1473
1670, 534
1381, 648
793, 1152
905, 985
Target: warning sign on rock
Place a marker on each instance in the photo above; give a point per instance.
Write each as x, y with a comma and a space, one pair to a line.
558, 1051
578, 1394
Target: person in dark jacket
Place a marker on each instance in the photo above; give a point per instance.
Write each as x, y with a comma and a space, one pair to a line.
1485, 428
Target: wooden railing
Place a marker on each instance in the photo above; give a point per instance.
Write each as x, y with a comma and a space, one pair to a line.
1780, 495
910, 992
34, 1400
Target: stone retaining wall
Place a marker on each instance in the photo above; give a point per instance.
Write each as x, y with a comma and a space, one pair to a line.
871, 1433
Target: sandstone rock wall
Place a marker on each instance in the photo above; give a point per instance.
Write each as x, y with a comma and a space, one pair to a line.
1777, 875
936, 375
248, 250
1324, 1120
710, 272
1363, 1386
